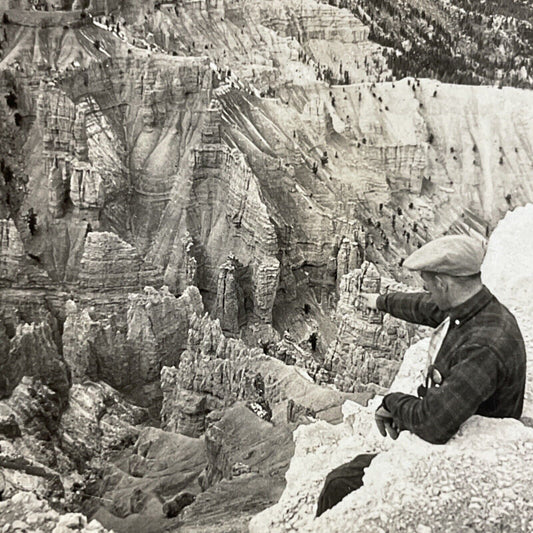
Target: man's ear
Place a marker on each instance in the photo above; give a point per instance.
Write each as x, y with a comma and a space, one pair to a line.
442, 282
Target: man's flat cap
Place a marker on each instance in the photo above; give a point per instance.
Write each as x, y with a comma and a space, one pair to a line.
455, 255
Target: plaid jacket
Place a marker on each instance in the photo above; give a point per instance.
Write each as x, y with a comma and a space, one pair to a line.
482, 363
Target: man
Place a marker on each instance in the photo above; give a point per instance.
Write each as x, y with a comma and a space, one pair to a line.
476, 359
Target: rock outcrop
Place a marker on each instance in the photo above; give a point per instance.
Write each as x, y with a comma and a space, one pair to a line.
25, 511
96, 421
506, 270
109, 263
224, 371
368, 347
95, 348
158, 327
310, 20
129, 349
423, 487
266, 283
36, 408
11, 250
33, 411
31, 458
86, 187
348, 259
33, 352
16, 268
229, 298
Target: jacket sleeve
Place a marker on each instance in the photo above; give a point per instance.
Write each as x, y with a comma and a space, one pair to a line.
415, 307
437, 417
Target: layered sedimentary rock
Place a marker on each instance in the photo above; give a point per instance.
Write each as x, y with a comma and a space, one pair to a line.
57, 189
266, 282
368, 347
56, 116
182, 267
158, 327
31, 458
130, 349
33, 352
55, 7
11, 250
229, 202
275, 167
86, 186
36, 408
94, 348
308, 20
109, 263
91, 168
348, 259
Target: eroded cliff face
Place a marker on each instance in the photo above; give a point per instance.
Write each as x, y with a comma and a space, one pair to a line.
215, 372
97, 419
140, 144
33, 352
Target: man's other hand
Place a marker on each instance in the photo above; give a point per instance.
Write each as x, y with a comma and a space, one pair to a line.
385, 423
369, 299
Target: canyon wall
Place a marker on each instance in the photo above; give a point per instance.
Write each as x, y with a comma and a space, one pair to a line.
192, 198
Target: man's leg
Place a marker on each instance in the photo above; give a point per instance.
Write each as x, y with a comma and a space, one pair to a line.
343, 480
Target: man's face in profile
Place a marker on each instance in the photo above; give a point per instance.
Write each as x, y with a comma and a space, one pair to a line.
437, 287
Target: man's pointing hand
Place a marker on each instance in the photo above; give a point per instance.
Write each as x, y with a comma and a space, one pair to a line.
369, 299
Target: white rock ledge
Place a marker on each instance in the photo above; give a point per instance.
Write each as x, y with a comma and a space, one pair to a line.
479, 481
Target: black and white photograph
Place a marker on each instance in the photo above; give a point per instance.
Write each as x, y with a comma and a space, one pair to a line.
266, 266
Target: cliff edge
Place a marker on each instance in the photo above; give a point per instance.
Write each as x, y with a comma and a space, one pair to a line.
478, 481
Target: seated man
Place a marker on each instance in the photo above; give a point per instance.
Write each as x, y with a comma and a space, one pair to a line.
476, 359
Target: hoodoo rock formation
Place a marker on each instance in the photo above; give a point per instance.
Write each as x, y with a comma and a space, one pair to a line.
108, 263
33, 352
129, 348
368, 347
193, 194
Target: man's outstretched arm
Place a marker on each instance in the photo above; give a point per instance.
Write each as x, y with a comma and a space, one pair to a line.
437, 417
412, 307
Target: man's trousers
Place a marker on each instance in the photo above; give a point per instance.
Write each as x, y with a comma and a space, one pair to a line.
343, 480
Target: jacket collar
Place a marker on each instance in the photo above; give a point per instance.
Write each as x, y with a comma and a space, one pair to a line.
472, 306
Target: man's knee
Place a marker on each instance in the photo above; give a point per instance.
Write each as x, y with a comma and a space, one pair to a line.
341, 481
336, 486
334, 490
